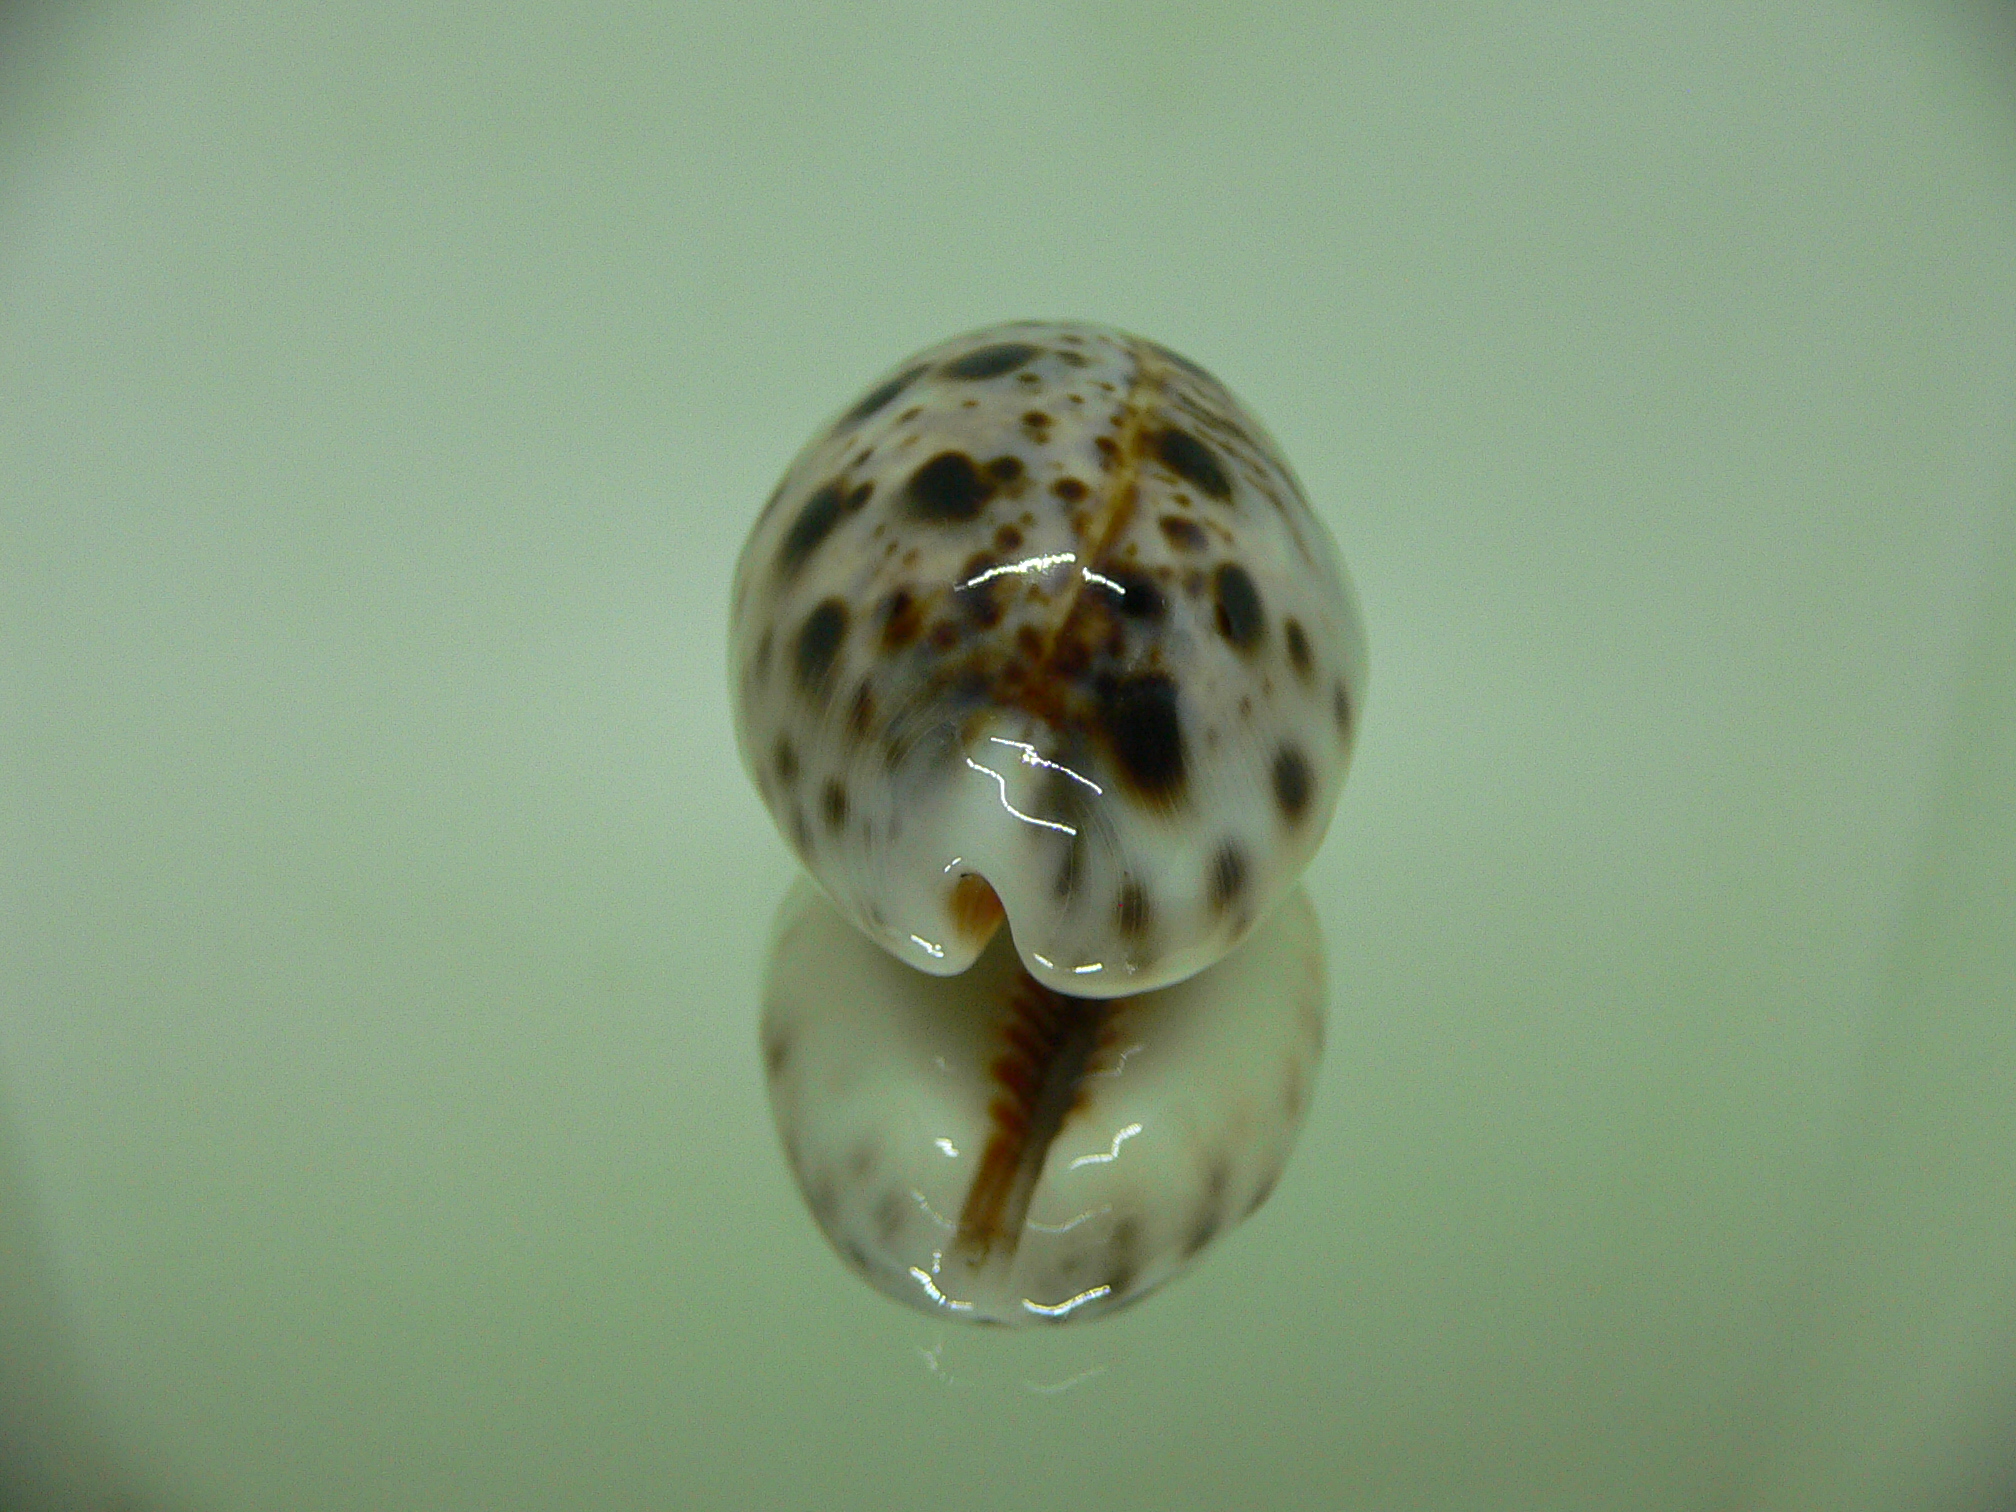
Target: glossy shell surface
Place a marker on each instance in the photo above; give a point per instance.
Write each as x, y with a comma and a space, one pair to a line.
991, 1151
1042, 623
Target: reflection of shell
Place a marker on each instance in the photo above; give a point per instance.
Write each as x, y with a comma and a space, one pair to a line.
1043, 623
986, 1148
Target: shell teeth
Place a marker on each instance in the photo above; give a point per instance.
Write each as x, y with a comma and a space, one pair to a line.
987, 1149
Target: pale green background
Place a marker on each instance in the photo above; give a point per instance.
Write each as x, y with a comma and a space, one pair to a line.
384, 391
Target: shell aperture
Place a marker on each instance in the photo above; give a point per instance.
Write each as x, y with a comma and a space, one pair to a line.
1042, 627
984, 1149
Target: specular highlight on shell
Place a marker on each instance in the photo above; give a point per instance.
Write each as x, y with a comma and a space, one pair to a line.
1042, 626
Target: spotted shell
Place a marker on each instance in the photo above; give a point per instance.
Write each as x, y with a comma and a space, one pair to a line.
990, 1151
1043, 624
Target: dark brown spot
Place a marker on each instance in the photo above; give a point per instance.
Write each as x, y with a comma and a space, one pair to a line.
991, 361
776, 1052
1109, 450
785, 759
1132, 911
1036, 420
902, 619
1005, 469
1139, 597
880, 395
1241, 618
1184, 535
948, 490
1193, 462
979, 590
833, 802
1070, 490
1298, 645
819, 641
824, 510
1007, 538
1140, 718
1291, 783
1228, 877
1340, 707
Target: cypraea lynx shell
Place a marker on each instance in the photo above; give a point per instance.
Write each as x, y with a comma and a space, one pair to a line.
1042, 624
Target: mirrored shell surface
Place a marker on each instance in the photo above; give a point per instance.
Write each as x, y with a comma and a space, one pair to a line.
1042, 623
983, 1148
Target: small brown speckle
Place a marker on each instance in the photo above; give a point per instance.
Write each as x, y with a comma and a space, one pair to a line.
833, 803
1070, 490
1228, 877
1340, 708
785, 759
902, 620
1298, 646
1184, 535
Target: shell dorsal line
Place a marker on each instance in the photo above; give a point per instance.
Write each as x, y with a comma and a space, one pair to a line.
1115, 503
1048, 1041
